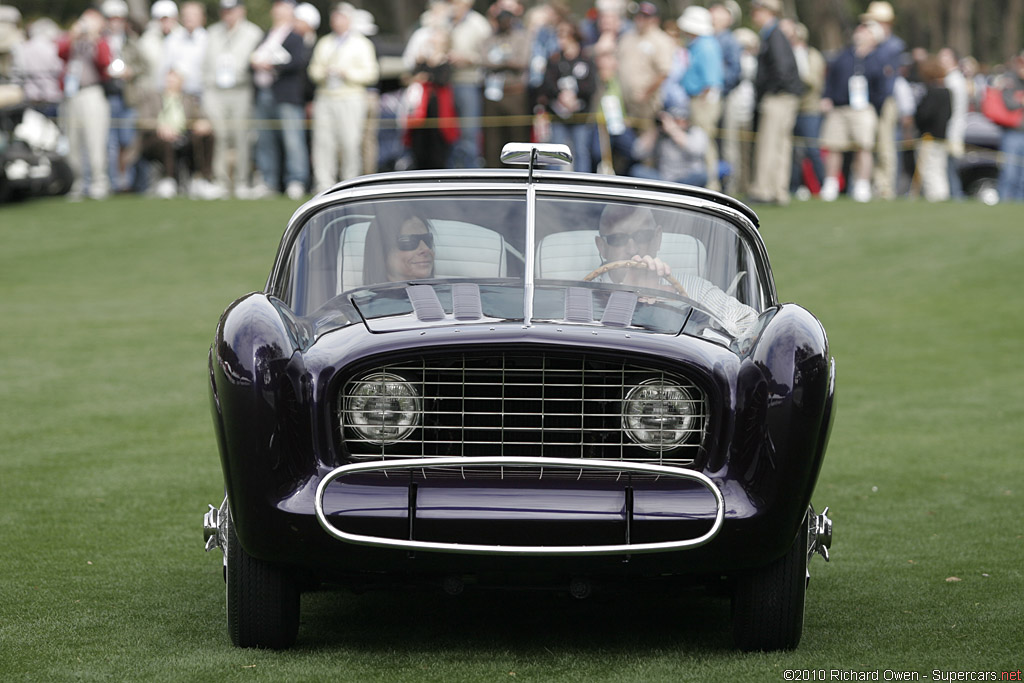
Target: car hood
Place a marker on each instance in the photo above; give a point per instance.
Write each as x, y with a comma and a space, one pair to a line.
438, 304
463, 306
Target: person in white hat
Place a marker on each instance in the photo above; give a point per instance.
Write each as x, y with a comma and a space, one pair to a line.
889, 52
307, 21
228, 94
185, 49
153, 43
123, 84
703, 81
343, 65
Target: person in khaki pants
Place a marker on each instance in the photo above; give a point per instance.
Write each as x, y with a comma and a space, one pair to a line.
344, 63
889, 52
704, 81
778, 87
228, 93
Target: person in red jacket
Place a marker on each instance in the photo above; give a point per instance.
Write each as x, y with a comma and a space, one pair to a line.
86, 57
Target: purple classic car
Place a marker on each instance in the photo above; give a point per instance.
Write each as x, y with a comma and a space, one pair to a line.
472, 378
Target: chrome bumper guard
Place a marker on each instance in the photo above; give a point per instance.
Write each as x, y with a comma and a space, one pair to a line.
819, 538
476, 549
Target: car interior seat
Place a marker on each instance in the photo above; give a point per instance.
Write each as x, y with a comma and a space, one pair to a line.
572, 255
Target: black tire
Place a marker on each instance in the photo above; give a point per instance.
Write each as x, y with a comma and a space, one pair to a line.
768, 603
262, 600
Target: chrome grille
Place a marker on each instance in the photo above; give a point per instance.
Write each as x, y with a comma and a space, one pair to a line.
521, 405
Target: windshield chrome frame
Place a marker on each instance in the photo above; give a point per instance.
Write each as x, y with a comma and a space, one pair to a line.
531, 235
542, 183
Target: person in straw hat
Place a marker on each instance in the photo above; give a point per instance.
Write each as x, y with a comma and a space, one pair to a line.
703, 81
889, 52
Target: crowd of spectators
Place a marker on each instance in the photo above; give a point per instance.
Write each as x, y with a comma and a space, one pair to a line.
712, 98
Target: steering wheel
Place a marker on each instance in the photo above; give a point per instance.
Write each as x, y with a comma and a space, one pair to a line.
615, 265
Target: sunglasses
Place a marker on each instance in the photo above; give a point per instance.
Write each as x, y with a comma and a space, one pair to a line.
411, 242
621, 239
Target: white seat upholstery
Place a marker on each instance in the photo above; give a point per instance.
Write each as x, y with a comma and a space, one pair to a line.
573, 255
460, 250
466, 250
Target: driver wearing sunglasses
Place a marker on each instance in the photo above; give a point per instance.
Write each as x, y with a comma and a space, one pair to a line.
629, 233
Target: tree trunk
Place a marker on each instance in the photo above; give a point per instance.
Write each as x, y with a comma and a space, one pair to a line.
1011, 28
936, 35
959, 35
139, 11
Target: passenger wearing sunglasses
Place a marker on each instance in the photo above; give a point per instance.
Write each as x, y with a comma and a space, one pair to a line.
630, 233
398, 254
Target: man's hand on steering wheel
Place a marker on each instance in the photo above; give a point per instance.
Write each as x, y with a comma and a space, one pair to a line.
646, 271
654, 264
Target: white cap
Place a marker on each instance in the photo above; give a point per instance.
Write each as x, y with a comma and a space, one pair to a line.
164, 8
362, 22
308, 14
696, 21
114, 8
10, 15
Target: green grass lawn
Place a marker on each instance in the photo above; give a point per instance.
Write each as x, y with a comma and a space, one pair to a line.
108, 460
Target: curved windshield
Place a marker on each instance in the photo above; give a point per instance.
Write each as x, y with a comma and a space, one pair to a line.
408, 262
370, 248
627, 263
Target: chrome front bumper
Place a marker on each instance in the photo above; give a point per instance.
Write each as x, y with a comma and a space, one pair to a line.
520, 462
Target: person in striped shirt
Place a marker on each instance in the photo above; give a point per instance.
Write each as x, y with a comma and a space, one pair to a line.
630, 233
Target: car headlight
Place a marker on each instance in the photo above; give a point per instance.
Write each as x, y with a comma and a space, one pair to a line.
659, 415
382, 408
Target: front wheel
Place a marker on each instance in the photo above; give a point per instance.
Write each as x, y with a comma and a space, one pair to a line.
262, 599
768, 603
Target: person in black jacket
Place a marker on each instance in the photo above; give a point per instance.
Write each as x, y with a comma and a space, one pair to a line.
778, 88
932, 118
279, 68
569, 84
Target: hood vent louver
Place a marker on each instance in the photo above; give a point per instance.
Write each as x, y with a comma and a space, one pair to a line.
466, 304
425, 302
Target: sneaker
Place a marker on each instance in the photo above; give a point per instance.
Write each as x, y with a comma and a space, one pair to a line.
861, 191
295, 190
261, 191
165, 188
216, 191
196, 188
829, 190
242, 191
204, 189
